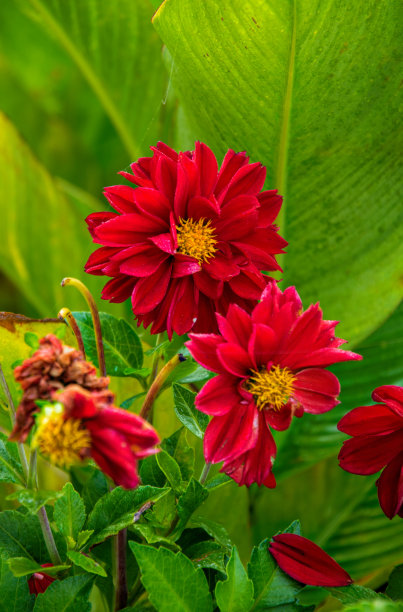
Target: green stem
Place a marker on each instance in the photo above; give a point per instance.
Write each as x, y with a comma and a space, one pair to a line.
154, 367
85, 292
205, 473
157, 385
64, 314
32, 480
20, 446
48, 537
120, 569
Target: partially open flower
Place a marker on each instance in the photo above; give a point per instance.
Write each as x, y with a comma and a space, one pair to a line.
190, 240
53, 366
377, 443
83, 424
39, 582
271, 367
307, 562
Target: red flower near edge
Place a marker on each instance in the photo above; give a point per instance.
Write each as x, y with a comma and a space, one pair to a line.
84, 424
39, 581
306, 562
271, 366
190, 240
377, 442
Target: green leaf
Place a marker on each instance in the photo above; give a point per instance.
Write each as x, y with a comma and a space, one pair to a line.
216, 531
191, 418
279, 80
353, 593
171, 580
21, 536
83, 537
34, 500
14, 592
235, 594
122, 345
22, 566
38, 225
178, 447
208, 554
108, 43
272, 586
94, 488
86, 563
218, 481
376, 605
191, 499
69, 595
10, 466
394, 590
32, 340
69, 513
171, 470
115, 510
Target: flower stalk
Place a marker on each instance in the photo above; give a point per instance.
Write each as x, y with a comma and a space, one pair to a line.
121, 592
85, 292
65, 314
158, 383
205, 472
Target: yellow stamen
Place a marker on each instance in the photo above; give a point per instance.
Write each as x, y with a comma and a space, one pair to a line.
196, 239
271, 389
63, 441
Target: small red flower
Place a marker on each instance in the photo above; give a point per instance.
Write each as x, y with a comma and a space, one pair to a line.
271, 367
306, 562
53, 366
84, 424
190, 240
377, 442
39, 582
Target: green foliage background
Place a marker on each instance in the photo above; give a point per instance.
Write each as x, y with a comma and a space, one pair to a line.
308, 88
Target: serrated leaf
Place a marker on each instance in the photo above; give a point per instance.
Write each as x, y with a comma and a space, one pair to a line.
33, 500
83, 537
188, 502
207, 554
319, 135
216, 531
69, 595
69, 512
122, 346
217, 481
171, 580
14, 592
21, 536
394, 590
10, 466
86, 563
235, 594
353, 593
178, 447
171, 470
191, 418
115, 510
22, 566
272, 587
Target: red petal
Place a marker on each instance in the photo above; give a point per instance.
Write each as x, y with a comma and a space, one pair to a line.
153, 203
218, 396
230, 435
236, 326
392, 396
142, 261
390, 487
235, 359
367, 420
184, 266
126, 230
248, 286
164, 242
238, 218
221, 267
150, 291
262, 344
316, 390
121, 198
248, 180
231, 164
203, 348
182, 313
280, 420
202, 208
211, 287
369, 454
99, 259
95, 219
165, 177
207, 164
118, 289
270, 205
323, 357
306, 562
115, 457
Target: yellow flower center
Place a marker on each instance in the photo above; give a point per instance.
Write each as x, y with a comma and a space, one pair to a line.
271, 389
196, 239
63, 441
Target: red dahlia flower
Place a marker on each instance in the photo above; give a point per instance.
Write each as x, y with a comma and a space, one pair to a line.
53, 366
271, 367
39, 582
377, 442
306, 562
190, 240
84, 424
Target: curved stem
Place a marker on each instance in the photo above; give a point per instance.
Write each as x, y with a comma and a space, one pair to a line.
48, 537
158, 383
65, 313
85, 292
205, 472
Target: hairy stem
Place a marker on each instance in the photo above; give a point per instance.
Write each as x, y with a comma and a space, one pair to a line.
205, 473
85, 292
48, 537
66, 314
158, 383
